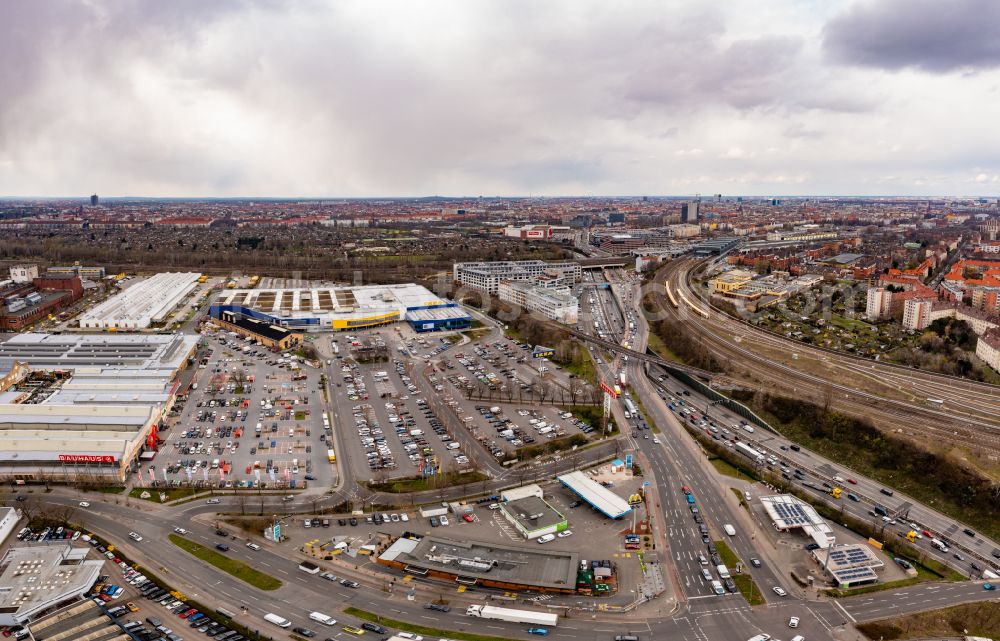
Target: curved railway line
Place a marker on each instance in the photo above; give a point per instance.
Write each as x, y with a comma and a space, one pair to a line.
973, 412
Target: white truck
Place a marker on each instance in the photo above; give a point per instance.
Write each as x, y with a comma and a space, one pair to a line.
513, 616
730, 530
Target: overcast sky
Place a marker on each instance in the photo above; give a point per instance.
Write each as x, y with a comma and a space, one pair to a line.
371, 98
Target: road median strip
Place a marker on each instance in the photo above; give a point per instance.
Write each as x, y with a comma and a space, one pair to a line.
235, 567
420, 629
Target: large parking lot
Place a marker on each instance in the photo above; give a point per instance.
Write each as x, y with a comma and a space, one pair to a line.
255, 417
398, 433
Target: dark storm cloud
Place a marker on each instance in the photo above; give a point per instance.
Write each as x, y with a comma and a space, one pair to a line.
933, 35
394, 97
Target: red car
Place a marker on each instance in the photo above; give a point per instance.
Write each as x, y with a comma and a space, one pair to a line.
852, 481
685, 489
927, 533
468, 518
187, 613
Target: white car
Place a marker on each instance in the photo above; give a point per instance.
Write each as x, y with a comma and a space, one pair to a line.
444, 521
180, 530
656, 441
793, 622
84, 504
135, 536
565, 533
545, 538
779, 591
748, 496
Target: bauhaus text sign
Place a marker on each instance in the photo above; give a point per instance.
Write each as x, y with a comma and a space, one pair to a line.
84, 458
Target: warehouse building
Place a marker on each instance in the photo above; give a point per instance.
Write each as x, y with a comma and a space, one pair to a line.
83, 408
487, 564
343, 308
145, 303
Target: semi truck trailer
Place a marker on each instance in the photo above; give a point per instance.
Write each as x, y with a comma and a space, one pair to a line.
511, 615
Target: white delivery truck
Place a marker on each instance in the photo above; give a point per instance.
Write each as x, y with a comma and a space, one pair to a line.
325, 619
513, 616
281, 622
939, 544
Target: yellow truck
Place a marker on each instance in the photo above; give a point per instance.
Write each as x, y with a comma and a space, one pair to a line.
835, 492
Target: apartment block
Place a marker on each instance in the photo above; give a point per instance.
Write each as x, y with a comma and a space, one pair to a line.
879, 303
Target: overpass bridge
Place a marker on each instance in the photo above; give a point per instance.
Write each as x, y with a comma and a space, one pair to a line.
645, 357
599, 263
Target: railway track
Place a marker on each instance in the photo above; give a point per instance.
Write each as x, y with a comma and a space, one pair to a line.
971, 423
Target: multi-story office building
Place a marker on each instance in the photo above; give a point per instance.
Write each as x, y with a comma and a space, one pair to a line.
486, 277
555, 304
689, 212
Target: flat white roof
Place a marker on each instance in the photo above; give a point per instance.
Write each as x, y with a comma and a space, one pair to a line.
333, 302
101, 354
144, 302
40, 577
603, 499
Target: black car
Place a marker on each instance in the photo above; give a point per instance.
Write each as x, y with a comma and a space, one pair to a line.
222, 547
221, 532
341, 522
305, 632
754, 561
353, 521
437, 606
347, 583
373, 627
576, 504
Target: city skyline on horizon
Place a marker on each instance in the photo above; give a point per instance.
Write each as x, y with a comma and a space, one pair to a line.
388, 99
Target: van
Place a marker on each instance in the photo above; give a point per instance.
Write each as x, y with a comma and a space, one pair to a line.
723, 571
730, 530
278, 621
325, 619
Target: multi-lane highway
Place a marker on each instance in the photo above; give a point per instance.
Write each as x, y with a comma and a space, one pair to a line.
888, 394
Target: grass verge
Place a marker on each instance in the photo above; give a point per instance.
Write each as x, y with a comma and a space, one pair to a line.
173, 493
419, 629
744, 582
728, 469
237, 568
975, 619
645, 415
420, 484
